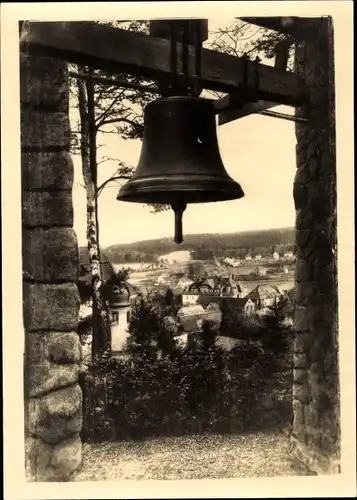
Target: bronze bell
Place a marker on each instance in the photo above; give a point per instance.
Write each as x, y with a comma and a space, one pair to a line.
180, 161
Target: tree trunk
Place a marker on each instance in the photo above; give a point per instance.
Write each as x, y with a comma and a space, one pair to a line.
101, 342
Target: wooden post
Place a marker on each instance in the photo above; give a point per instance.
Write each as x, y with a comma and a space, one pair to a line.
316, 432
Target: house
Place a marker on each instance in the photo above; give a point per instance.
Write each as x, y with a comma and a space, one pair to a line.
288, 255
264, 295
231, 262
262, 271
244, 305
276, 256
191, 318
258, 256
122, 298
227, 286
248, 257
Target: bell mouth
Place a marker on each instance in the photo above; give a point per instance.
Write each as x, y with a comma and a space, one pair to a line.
199, 189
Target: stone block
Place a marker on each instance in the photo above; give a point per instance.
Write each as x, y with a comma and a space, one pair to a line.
41, 130
37, 458
323, 333
51, 307
314, 166
44, 83
57, 415
304, 221
330, 363
66, 459
312, 416
314, 313
302, 342
64, 347
47, 209
302, 393
300, 376
301, 319
300, 360
303, 270
299, 416
51, 171
44, 352
50, 254
316, 353
43, 376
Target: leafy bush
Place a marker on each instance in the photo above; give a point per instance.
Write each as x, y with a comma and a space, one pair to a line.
162, 389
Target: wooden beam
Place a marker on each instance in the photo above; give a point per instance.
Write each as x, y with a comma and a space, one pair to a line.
299, 27
229, 115
222, 106
122, 51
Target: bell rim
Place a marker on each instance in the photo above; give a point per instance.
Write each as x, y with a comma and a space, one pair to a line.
147, 189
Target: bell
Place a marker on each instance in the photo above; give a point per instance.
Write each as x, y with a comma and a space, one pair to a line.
180, 161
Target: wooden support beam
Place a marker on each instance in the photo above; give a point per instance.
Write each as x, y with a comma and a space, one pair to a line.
298, 27
227, 114
122, 51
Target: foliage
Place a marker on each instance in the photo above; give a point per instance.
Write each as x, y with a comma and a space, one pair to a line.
162, 389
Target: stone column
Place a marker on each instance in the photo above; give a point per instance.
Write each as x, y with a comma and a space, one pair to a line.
315, 439
53, 399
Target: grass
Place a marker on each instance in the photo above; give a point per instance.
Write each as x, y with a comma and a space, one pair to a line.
263, 454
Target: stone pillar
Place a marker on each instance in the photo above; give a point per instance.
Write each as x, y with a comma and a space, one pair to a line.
315, 438
53, 399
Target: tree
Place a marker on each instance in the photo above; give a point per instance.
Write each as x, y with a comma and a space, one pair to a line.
101, 339
144, 329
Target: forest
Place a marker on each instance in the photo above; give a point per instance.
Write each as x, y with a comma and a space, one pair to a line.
208, 246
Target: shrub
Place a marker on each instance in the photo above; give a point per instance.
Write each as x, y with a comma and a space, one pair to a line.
160, 389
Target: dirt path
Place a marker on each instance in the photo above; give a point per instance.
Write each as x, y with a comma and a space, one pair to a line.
192, 457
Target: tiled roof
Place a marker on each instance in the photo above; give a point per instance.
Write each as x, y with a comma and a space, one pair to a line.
234, 302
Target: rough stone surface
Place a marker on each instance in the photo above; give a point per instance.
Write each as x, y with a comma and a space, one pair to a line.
53, 410
51, 171
300, 376
302, 393
64, 347
52, 361
51, 307
57, 415
315, 433
50, 254
44, 130
301, 360
44, 83
38, 457
47, 209
66, 458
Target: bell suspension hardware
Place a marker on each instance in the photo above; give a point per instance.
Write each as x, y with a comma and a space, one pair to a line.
180, 161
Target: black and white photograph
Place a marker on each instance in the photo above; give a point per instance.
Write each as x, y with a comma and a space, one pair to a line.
178, 249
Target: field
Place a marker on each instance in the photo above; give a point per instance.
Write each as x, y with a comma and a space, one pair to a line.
148, 279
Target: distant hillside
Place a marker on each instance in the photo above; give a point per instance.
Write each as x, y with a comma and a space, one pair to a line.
206, 246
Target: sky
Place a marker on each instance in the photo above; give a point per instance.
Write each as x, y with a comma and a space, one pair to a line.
257, 151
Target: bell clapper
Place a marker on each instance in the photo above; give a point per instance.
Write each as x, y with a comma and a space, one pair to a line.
179, 209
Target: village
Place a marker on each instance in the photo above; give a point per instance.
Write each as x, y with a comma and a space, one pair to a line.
201, 291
